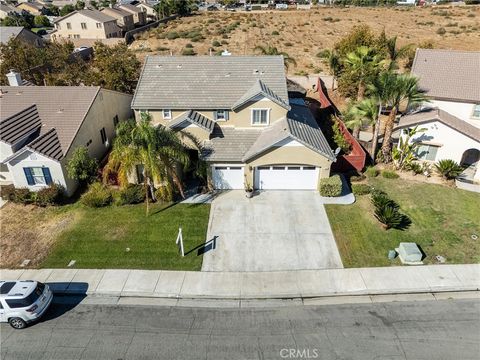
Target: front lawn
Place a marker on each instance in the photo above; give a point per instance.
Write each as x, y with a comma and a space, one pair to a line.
443, 220
100, 238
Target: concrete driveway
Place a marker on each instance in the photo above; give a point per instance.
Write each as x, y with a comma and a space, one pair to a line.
275, 230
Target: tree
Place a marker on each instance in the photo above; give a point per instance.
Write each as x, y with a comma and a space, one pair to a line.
331, 58
81, 166
94, 4
41, 21
405, 153
114, 67
395, 53
157, 149
67, 9
271, 50
401, 88
24, 19
53, 10
80, 5
363, 113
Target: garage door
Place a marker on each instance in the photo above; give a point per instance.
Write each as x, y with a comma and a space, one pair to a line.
227, 177
286, 177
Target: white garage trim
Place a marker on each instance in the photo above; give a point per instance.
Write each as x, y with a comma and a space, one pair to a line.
286, 177
228, 176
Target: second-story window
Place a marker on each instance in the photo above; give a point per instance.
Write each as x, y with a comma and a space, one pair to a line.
84, 26
69, 26
103, 135
167, 114
260, 117
99, 25
221, 115
476, 111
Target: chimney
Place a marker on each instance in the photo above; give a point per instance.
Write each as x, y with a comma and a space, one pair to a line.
14, 78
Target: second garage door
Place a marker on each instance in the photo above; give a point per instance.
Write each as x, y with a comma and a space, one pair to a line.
286, 177
227, 177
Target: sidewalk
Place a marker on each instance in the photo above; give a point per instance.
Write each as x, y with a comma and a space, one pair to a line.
256, 285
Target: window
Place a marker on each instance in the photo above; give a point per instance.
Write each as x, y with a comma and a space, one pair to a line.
69, 26
260, 117
115, 120
76, 36
28, 300
99, 25
84, 26
103, 134
58, 26
427, 152
167, 114
476, 111
221, 115
38, 175
89, 142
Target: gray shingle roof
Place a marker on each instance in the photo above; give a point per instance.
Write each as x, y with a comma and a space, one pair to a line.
448, 74
259, 89
196, 118
62, 108
205, 82
7, 32
130, 8
17, 127
92, 14
444, 117
48, 144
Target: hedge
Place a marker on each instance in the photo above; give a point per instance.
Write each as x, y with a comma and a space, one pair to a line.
331, 186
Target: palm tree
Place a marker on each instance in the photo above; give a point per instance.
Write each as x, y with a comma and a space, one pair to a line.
401, 88
332, 59
394, 53
157, 149
363, 113
271, 50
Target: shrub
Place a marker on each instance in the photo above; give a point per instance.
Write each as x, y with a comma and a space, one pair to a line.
132, 194
448, 169
331, 186
415, 167
441, 31
387, 174
381, 199
189, 46
188, 52
7, 192
82, 166
23, 196
361, 189
172, 35
389, 217
371, 172
51, 195
275, 33
215, 43
98, 195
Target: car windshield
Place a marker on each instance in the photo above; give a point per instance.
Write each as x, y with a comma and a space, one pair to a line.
28, 300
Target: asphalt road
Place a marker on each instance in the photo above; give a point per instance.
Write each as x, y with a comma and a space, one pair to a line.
448, 329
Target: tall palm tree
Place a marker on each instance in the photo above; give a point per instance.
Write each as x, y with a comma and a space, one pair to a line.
271, 50
332, 59
157, 149
395, 53
363, 113
402, 88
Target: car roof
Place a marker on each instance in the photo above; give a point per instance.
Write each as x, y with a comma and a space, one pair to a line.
16, 289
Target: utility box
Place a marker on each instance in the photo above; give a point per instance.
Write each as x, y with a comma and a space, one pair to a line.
409, 253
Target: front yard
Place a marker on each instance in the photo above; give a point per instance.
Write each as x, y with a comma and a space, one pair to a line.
443, 220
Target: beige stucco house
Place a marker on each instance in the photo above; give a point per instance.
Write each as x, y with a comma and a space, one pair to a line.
240, 116
86, 24
124, 18
33, 8
41, 126
139, 15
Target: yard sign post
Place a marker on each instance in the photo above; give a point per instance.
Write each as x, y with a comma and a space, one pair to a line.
179, 242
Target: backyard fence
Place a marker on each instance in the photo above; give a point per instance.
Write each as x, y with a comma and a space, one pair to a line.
130, 35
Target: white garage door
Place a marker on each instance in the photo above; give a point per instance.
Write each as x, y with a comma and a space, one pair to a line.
227, 177
286, 177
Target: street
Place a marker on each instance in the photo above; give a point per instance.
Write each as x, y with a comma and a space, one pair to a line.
447, 329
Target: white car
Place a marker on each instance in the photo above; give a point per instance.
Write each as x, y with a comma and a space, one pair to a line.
22, 302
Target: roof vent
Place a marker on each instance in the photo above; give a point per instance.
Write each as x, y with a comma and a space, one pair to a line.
60, 110
14, 78
159, 66
179, 66
227, 75
256, 72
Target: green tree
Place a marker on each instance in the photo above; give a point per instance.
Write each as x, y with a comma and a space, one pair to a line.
24, 19
94, 4
331, 58
80, 5
395, 53
81, 166
365, 112
53, 10
67, 9
271, 50
41, 21
157, 149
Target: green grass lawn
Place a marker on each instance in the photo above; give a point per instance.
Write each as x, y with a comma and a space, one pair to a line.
99, 238
443, 220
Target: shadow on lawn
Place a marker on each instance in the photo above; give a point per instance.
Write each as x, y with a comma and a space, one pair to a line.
204, 247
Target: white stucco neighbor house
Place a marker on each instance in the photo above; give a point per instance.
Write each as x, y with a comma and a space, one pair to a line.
41, 126
451, 80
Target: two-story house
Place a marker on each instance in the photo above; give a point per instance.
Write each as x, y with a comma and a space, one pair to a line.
86, 24
451, 119
124, 18
32, 7
41, 126
139, 15
238, 110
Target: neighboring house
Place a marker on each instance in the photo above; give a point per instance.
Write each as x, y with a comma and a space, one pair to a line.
238, 110
124, 18
17, 32
139, 16
33, 8
7, 10
451, 80
149, 11
41, 126
86, 24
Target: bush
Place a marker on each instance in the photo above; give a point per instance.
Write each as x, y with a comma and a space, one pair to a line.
22, 196
275, 33
172, 35
164, 193
415, 167
371, 172
361, 189
215, 43
441, 31
331, 186
387, 174
7, 192
389, 217
188, 52
189, 46
132, 194
51, 195
448, 169
98, 195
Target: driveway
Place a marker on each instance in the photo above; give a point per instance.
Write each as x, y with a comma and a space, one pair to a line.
275, 230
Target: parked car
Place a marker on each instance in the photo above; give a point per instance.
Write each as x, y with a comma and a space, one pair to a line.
23, 302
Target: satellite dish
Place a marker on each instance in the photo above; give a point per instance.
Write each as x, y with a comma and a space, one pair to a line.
337, 151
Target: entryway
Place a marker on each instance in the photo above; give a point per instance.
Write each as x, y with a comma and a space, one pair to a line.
286, 177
